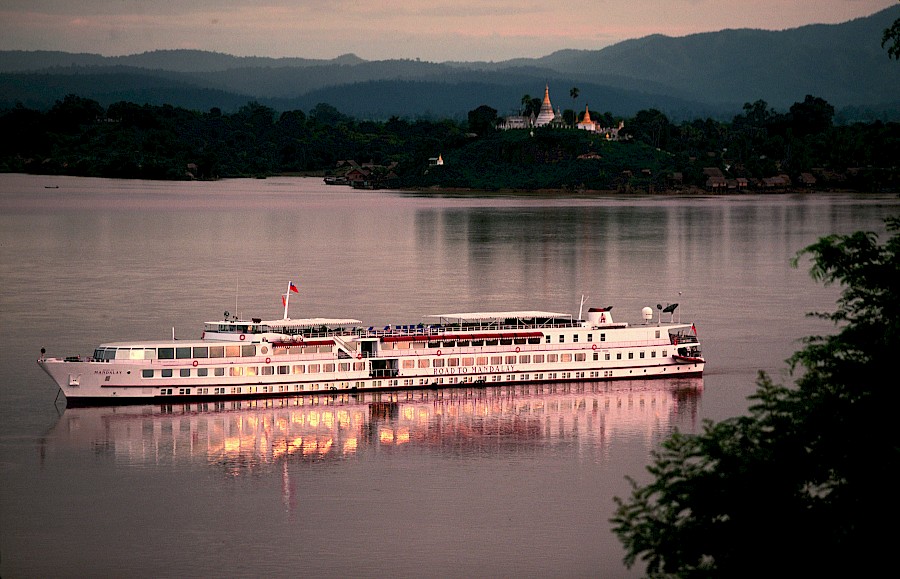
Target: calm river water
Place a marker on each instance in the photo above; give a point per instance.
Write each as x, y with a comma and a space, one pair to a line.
456, 483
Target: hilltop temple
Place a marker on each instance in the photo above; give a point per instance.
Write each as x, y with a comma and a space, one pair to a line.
546, 117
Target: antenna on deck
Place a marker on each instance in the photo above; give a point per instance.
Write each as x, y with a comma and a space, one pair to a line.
581, 307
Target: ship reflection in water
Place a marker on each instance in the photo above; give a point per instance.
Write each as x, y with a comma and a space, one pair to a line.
248, 436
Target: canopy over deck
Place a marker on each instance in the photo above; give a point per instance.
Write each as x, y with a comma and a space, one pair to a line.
311, 322
481, 316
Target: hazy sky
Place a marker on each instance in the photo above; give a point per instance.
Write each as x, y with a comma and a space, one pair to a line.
433, 31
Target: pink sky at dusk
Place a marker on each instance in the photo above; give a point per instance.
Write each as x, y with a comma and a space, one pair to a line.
432, 31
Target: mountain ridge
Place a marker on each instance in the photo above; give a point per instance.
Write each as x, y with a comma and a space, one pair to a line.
705, 74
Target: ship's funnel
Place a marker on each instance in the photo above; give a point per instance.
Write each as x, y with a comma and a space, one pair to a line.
600, 316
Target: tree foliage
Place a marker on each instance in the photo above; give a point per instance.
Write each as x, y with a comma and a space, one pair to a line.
803, 485
891, 39
78, 137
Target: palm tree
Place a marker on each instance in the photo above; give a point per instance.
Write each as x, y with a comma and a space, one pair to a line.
526, 105
573, 92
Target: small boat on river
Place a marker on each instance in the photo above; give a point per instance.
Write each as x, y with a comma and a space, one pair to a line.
237, 358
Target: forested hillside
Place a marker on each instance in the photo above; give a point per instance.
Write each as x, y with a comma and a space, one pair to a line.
760, 149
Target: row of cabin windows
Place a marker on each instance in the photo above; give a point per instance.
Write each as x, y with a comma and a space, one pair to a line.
177, 353
256, 370
407, 364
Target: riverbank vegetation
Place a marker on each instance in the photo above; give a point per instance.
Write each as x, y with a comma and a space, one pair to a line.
799, 486
760, 149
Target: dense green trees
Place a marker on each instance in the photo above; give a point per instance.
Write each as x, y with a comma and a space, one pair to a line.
77, 136
803, 485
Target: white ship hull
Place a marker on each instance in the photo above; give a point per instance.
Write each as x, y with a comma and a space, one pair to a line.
295, 357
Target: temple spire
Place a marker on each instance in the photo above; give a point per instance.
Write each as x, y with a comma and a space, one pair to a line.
546, 114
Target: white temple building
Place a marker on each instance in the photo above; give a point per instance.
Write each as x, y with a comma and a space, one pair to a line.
546, 117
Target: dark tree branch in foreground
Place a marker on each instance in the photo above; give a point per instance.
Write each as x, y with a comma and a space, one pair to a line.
802, 485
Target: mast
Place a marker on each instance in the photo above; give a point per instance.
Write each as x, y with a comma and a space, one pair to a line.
287, 299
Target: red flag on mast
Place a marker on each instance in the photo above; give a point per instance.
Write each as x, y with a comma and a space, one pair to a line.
294, 288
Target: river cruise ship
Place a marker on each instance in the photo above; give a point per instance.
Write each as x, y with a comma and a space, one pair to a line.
236, 358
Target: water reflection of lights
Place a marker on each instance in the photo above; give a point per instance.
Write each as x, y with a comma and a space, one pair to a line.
249, 435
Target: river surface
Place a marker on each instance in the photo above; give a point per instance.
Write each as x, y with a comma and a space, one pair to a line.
484, 482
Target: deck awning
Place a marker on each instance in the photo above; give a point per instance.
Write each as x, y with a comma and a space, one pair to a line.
483, 316
310, 323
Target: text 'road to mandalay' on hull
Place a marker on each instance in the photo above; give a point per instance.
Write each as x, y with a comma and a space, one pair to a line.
256, 358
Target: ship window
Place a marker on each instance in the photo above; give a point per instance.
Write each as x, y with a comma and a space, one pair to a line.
434, 344
184, 372
438, 363
248, 350
167, 373
510, 359
566, 358
424, 362
519, 341
524, 359
201, 352
657, 333
236, 371
267, 370
453, 361
478, 342
653, 354
590, 338
506, 342
183, 353
282, 369
344, 367
358, 366
491, 342
328, 367
146, 373
664, 353
217, 351
552, 357
538, 358
562, 338
618, 355
631, 355
202, 371
298, 369
218, 371
409, 363
547, 339
468, 361
642, 354
575, 338
580, 357
252, 371
462, 343
496, 359
481, 360
314, 368
602, 337
166, 353
607, 356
